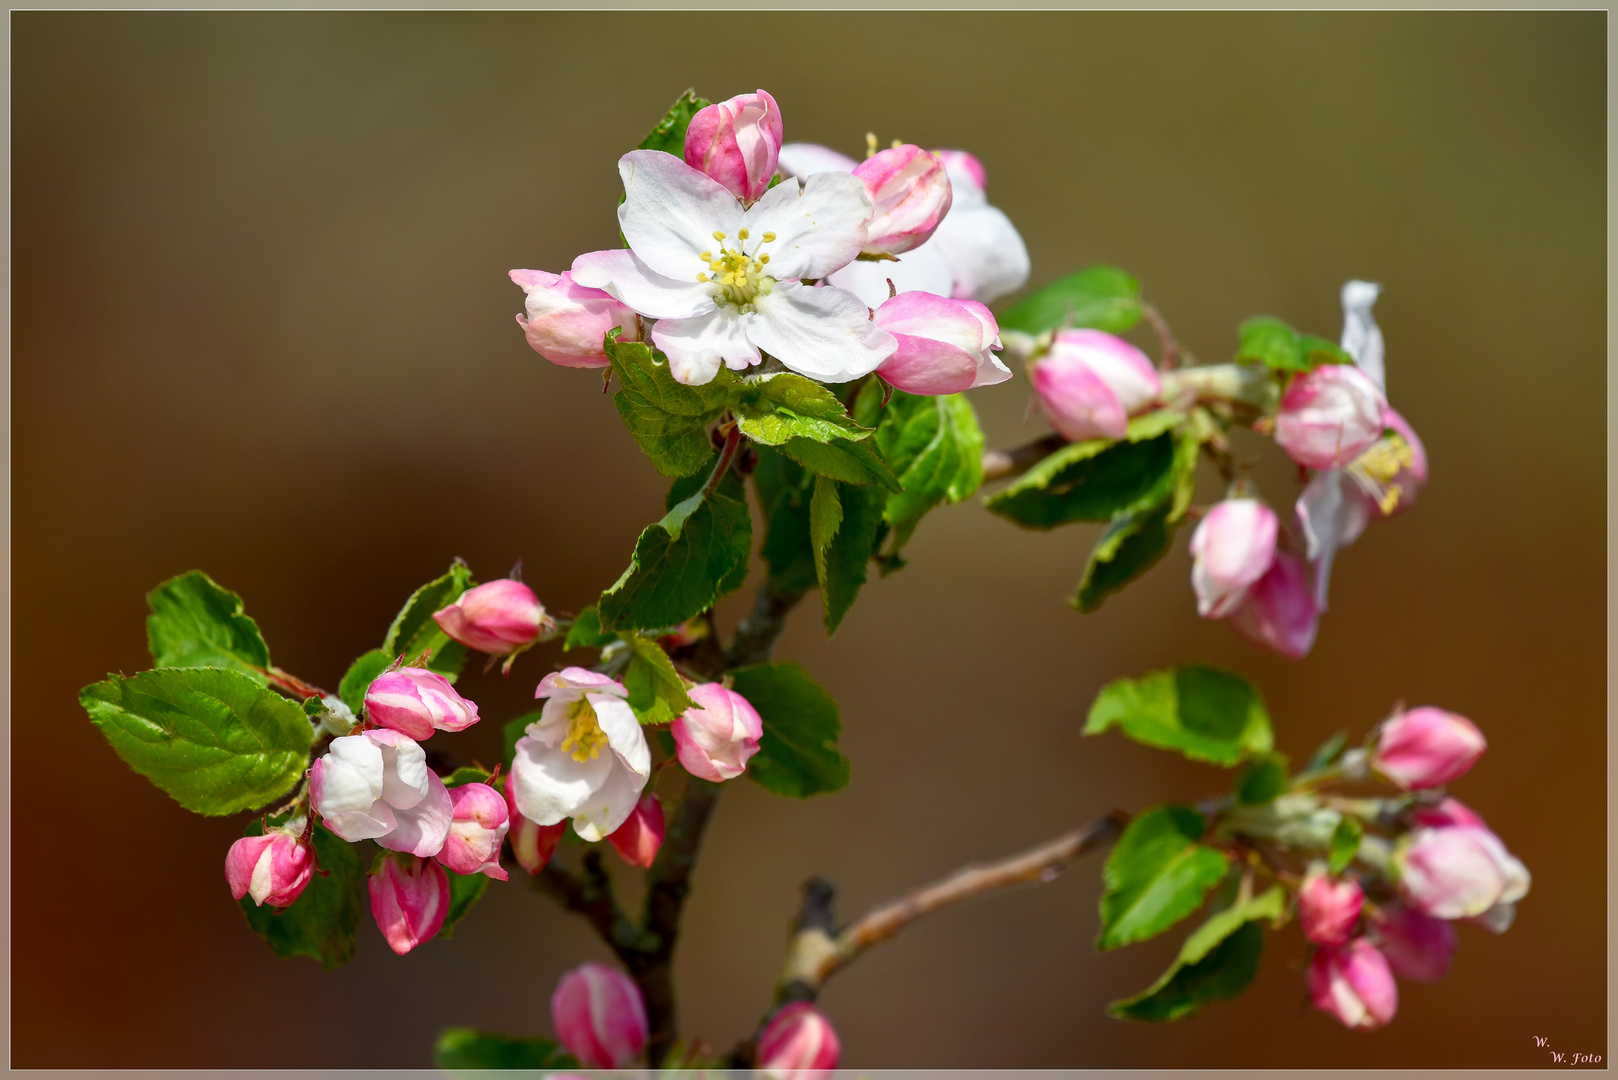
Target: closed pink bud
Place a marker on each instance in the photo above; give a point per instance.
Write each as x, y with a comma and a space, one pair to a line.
911, 193
1329, 416
737, 143
1354, 983
497, 617
1417, 947
1458, 871
641, 834
1427, 747
1328, 907
798, 1043
1449, 811
416, 702
532, 843
273, 869
475, 831
945, 346
1232, 547
599, 1016
714, 740
1280, 612
1091, 383
567, 323
409, 899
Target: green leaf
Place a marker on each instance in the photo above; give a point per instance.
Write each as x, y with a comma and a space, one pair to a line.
586, 632
1156, 876
825, 519
1132, 545
414, 632
1318, 351
850, 462
195, 622
464, 891
466, 774
787, 406
1327, 752
512, 730
669, 134
656, 691
359, 676
935, 447
1216, 963
1096, 480
681, 565
214, 740
1101, 298
1271, 342
1206, 714
667, 419
784, 493
1345, 843
1262, 780
463, 1048
322, 921
797, 755
848, 555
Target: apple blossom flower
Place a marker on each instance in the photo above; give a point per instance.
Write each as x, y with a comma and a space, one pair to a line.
910, 191
585, 758
1090, 383
1458, 871
715, 738
409, 899
1427, 747
1354, 983
945, 346
599, 1016
724, 281
736, 142
532, 844
1328, 907
479, 824
641, 835
1329, 416
1279, 612
567, 323
376, 786
798, 1043
1232, 547
1417, 947
498, 617
273, 868
416, 702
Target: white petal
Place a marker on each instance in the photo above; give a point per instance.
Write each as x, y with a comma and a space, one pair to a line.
802, 159
423, 827
671, 211
623, 732
351, 775
611, 804
922, 269
1362, 338
985, 253
696, 347
405, 776
824, 333
1333, 513
990, 370
355, 825
632, 282
550, 784
818, 228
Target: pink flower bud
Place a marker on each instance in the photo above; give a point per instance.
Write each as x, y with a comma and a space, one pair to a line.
1233, 547
497, 617
1450, 811
480, 823
911, 193
1458, 871
798, 1044
641, 834
533, 844
1091, 383
567, 323
1279, 612
944, 345
1328, 907
737, 143
409, 901
714, 740
416, 702
1427, 747
273, 869
599, 1016
1354, 983
1329, 416
967, 177
1417, 947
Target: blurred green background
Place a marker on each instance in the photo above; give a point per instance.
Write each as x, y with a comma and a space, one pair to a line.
262, 326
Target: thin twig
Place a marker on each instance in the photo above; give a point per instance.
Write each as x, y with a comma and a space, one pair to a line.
591, 896
1165, 337
1004, 464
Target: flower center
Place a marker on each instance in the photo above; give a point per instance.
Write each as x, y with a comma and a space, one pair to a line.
584, 739
738, 276
1382, 463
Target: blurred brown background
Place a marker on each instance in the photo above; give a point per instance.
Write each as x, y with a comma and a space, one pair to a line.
262, 327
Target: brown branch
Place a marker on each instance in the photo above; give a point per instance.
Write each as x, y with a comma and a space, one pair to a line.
1165, 337
591, 896
758, 630
1004, 464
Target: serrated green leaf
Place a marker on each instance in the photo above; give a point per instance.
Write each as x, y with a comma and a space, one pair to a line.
463, 1048
1216, 963
359, 676
669, 134
216, 741
825, 519
681, 565
414, 632
1096, 480
850, 462
1262, 780
797, 755
1271, 342
934, 446
848, 555
656, 691
784, 493
195, 622
1345, 843
1132, 545
464, 891
322, 921
1101, 298
586, 632
787, 406
667, 419
1203, 712
1157, 874
512, 730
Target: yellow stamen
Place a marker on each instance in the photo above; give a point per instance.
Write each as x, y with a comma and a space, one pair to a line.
717, 235
702, 277
870, 144
584, 740
769, 237
1390, 501
706, 256
895, 144
742, 235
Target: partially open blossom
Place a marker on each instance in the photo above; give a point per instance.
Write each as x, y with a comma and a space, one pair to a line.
497, 617
1427, 747
567, 323
1328, 907
1090, 383
640, 836
945, 346
911, 193
1448, 811
1354, 983
273, 869
1417, 947
533, 844
737, 142
966, 172
1279, 612
1329, 416
376, 786
798, 1043
599, 1016
586, 757
1458, 871
479, 824
1232, 547
409, 899
715, 740
417, 702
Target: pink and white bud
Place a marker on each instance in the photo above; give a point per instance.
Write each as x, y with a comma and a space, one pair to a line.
1427, 747
1417, 947
1328, 907
567, 323
911, 193
476, 830
409, 899
641, 835
1091, 383
497, 617
376, 786
599, 1016
945, 346
532, 843
1280, 612
798, 1043
968, 179
1458, 871
1329, 416
1232, 547
715, 739
1449, 811
737, 143
273, 869
417, 702
1354, 983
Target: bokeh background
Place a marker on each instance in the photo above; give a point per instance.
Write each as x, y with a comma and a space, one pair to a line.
262, 326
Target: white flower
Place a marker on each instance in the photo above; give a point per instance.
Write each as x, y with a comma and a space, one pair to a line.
376, 786
585, 758
723, 281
